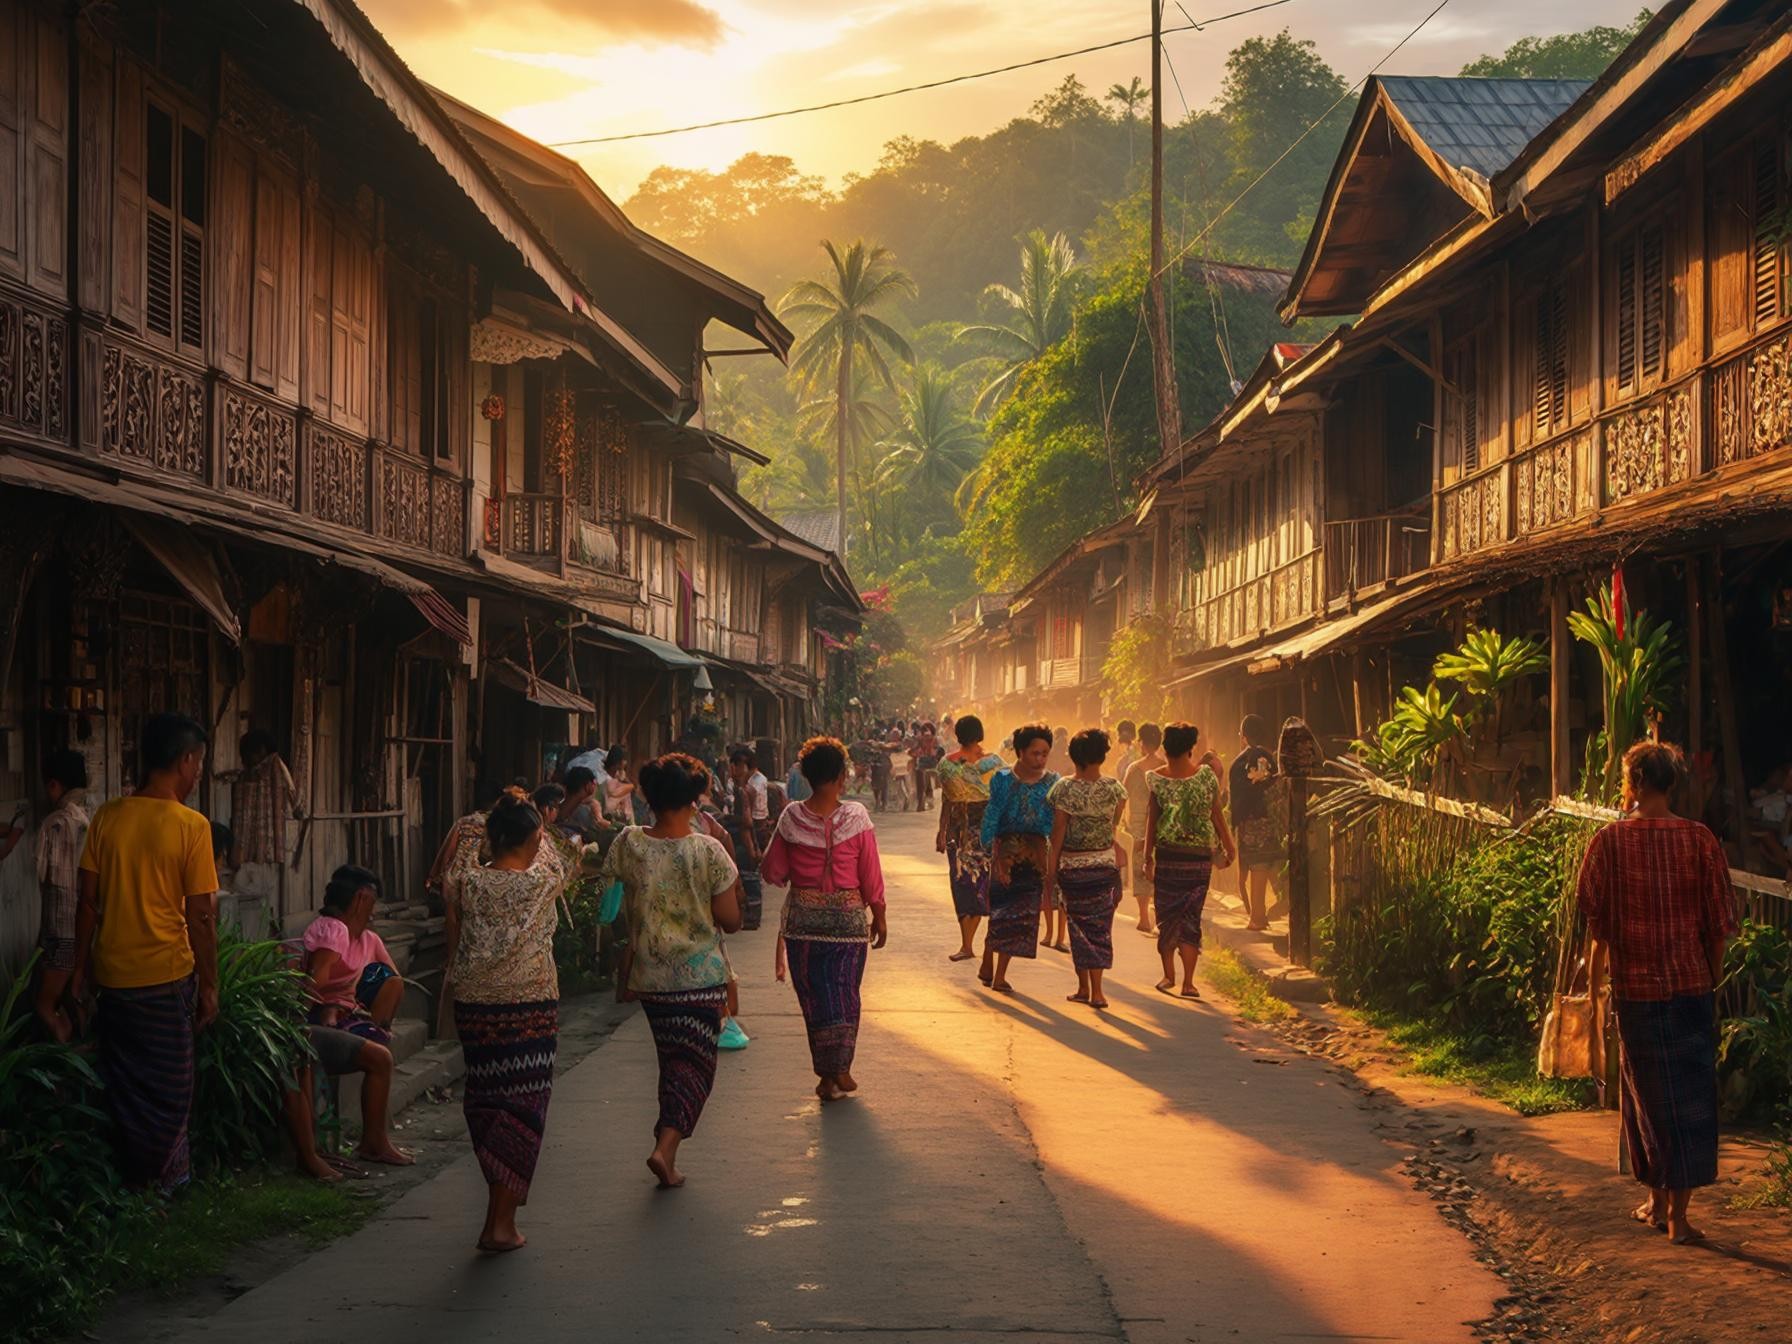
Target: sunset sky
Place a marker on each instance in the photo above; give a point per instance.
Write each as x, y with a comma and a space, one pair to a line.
560, 69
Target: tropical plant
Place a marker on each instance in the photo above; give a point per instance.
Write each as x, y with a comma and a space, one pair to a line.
1639, 658
932, 448
1414, 741
1038, 313
245, 1060
1129, 98
1755, 1049
1134, 673
846, 335
1486, 666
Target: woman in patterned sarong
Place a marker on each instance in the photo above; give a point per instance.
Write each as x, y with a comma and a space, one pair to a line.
1086, 812
1187, 825
1016, 831
825, 851
506, 1007
680, 894
964, 794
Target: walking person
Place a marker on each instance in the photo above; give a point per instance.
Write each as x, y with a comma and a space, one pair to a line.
825, 850
61, 836
1138, 810
507, 1007
1017, 825
1260, 846
1085, 859
750, 825
1655, 890
1185, 833
146, 931
680, 895
964, 794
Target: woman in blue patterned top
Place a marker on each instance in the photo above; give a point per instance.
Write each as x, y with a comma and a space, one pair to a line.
1017, 828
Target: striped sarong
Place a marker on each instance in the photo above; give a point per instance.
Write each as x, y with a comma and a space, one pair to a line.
509, 1050
686, 1026
146, 1058
1179, 895
1091, 895
827, 977
966, 863
1014, 904
1668, 1099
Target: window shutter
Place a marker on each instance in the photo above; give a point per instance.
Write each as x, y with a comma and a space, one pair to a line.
319, 323
127, 199
193, 187
236, 269
265, 285
158, 303
1652, 317
1626, 294
1541, 398
1767, 243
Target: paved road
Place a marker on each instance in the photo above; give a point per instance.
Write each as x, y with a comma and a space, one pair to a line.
1014, 1168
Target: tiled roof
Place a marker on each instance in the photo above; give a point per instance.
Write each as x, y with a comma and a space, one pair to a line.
1480, 124
818, 527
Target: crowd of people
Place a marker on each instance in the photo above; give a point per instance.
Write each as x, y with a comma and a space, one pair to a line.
1034, 854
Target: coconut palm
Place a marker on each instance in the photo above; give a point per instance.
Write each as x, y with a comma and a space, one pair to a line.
847, 336
1129, 98
932, 448
1040, 309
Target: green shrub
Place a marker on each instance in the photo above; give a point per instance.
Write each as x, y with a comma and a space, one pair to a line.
1755, 1050
246, 1059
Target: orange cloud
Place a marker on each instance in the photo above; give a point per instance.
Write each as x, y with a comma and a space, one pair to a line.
685, 22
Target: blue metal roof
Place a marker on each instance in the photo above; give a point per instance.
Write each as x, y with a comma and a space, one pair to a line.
1481, 124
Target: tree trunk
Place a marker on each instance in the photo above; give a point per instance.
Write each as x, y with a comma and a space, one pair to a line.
842, 435
1163, 362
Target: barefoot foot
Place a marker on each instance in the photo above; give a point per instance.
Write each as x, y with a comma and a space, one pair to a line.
664, 1172
318, 1169
388, 1155
502, 1245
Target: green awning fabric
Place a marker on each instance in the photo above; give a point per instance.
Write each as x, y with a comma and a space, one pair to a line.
663, 652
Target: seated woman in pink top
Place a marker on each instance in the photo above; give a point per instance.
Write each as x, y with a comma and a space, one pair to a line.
354, 984
825, 851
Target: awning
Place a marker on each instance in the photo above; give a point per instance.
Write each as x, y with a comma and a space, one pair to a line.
1212, 669
666, 654
143, 501
534, 689
190, 564
1329, 635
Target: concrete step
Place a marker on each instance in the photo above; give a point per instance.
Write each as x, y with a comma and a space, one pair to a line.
1264, 952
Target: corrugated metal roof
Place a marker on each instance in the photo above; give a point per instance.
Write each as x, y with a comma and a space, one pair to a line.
1481, 124
818, 527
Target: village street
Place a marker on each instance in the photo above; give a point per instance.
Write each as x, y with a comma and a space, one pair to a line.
1015, 1168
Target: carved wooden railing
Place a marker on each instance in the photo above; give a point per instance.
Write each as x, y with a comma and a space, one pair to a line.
1471, 513
34, 368
1649, 443
535, 526
1368, 552
152, 410
1287, 593
1749, 407
258, 446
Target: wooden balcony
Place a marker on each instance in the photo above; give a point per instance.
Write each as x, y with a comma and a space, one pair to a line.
1288, 593
1362, 554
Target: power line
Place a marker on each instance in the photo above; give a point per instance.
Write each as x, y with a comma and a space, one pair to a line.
1191, 26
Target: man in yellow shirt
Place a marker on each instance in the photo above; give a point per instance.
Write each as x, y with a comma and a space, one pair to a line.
147, 933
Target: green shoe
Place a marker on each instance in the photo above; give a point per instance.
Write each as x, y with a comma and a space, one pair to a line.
732, 1038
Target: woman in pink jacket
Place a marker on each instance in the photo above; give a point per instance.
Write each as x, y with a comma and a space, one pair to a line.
825, 851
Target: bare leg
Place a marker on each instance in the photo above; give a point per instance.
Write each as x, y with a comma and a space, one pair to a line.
664, 1162
1680, 1231
51, 986
500, 1231
300, 1129
375, 1064
1190, 954
1096, 998
1082, 989
987, 971
385, 1003
1168, 957
1653, 1210
1001, 976
967, 932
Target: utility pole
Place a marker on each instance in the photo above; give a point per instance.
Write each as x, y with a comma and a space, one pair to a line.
1163, 360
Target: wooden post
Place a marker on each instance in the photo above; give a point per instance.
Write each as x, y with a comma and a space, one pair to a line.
1729, 737
1695, 661
1163, 361
1561, 652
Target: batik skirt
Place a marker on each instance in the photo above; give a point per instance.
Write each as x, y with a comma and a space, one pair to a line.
966, 863
1180, 895
686, 1025
1668, 1099
1014, 904
509, 1051
146, 1056
826, 941
1091, 895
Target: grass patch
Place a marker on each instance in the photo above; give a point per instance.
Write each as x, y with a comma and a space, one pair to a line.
1775, 1188
1504, 1070
214, 1218
1249, 991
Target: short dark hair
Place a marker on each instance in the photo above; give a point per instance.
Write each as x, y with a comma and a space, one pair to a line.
673, 782
822, 760
510, 824
223, 840
1029, 733
744, 756
257, 739
1655, 766
1180, 739
1151, 735
67, 768
165, 740
548, 795
578, 777
1127, 729
1255, 730
615, 757
1089, 747
967, 730
339, 894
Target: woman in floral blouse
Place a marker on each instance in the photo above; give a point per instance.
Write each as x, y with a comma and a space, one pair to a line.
1186, 826
507, 1006
1086, 812
680, 894
964, 794
1016, 828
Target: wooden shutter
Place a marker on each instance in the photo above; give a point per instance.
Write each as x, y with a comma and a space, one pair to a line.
288, 302
318, 321
94, 212
159, 178
264, 341
351, 319
1552, 373
15, 24
191, 221
1625, 291
127, 200
1729, 237
1652, 301
234, 272
1768, 246
46, 157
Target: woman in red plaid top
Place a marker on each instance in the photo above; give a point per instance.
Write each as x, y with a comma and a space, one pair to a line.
1655, 889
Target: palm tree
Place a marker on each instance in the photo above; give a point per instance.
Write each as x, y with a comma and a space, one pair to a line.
1129, 98
1041, 313
845, 332
933, 448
